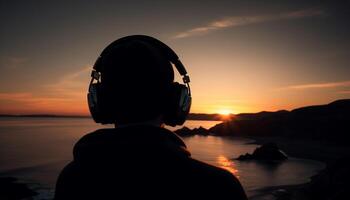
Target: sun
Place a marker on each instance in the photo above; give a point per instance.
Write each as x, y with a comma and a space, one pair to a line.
225, 112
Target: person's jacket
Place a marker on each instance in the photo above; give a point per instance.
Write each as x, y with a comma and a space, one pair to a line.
141, 162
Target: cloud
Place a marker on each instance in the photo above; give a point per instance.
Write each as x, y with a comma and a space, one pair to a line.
29, 103
12, 61
10, 96
67, 96
27, 97
30, 100
344, 92
320, 85
72, 84
235, 21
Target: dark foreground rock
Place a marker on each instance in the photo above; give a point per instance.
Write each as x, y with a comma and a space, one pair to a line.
10, 189
332, 183
185, 131
268, 152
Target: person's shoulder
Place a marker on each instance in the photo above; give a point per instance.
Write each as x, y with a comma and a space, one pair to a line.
66, 182
98, 133
93, 137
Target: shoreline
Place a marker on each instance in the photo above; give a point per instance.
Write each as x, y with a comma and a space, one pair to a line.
281, 192
326, 152
14, 188
319, 151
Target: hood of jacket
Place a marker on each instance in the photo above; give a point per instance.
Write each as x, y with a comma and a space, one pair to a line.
129, 142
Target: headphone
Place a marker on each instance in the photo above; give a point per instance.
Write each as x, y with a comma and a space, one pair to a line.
179, 107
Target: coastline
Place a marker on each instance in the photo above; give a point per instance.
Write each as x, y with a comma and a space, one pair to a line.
282, 192
325, 152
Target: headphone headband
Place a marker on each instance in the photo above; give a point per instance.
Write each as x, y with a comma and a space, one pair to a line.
169, 53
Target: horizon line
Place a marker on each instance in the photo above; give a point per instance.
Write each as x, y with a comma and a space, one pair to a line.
89, 116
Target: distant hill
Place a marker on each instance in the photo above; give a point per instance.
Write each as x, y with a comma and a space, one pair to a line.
46, 116
321, 122
192, 116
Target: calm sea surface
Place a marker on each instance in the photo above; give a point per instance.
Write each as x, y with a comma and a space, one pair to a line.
36, 149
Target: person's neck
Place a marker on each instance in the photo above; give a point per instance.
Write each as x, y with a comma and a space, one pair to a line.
154, 122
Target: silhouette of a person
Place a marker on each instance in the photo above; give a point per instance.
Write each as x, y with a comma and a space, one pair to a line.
133, 87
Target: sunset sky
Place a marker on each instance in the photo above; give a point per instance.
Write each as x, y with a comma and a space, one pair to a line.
242, 56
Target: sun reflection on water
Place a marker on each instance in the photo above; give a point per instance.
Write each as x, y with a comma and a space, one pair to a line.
227, 164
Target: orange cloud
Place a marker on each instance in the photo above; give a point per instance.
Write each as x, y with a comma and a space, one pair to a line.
67, 96
320, 85
11, 96
27, 103
344, 92
229, 22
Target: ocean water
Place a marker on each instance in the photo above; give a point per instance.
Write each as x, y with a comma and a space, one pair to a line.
36, 149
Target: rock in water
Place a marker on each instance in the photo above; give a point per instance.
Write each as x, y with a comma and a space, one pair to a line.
268, 152
185, 131
201, 131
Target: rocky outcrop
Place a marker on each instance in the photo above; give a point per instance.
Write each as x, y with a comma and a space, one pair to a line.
185, 131
332, 183
267, 152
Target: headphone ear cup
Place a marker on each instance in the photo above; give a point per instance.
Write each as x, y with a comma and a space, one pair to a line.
93, 102
179, 105
98, 112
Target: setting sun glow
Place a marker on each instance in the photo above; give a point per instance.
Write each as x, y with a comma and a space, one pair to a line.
225, 112
227, 164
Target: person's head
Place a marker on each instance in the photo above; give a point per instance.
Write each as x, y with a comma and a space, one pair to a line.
133, 82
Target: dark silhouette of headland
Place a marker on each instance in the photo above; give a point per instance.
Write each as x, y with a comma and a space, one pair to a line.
318, 122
